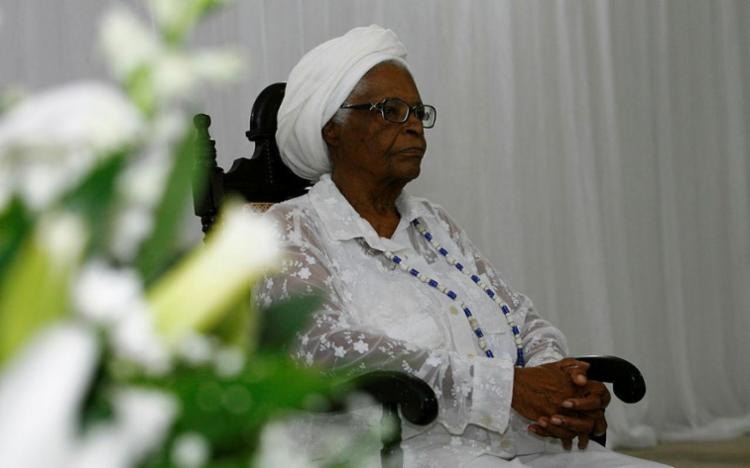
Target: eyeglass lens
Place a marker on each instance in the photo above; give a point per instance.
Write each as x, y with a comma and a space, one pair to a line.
397, 111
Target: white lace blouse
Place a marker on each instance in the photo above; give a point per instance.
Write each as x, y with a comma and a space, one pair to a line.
376, 316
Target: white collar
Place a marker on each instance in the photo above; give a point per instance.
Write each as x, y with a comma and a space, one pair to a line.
343, 222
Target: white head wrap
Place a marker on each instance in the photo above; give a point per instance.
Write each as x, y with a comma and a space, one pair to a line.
317, 87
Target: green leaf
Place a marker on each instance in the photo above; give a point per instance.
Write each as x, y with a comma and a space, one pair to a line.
93, 199
159, 250
33, 293
176, 30
34, 283
16, 224
96, 405
231, 411
140, 87
281, 321
237, 327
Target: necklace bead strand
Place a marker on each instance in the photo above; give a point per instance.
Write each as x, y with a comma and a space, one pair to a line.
473, 322
520, 360
452, 295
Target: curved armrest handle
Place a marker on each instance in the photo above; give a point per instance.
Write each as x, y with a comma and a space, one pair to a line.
627, 381
415, 398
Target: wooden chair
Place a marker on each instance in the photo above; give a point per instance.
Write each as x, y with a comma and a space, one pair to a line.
263, 180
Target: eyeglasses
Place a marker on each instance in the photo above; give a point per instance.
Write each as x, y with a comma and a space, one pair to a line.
397, 111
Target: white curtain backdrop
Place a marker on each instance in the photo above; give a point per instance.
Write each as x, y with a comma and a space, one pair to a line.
597, 151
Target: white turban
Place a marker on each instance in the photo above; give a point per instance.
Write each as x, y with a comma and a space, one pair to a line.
317, 87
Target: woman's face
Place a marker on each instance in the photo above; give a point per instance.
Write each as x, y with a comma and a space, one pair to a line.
368, 146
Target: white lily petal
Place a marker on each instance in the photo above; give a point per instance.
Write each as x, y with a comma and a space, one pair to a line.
192, 296
40, 394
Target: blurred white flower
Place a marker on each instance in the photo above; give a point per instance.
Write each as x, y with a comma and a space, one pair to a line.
144, 416
50, 140
179, 16
228, 362
105, 295
196, 349
62, 236
153, 68
168, 126
190, 450
131, 226
166, 12
142, 183
139, 187
10, 96
141, 421
176, 75
90, 115
114, 298
41, 391
127, 43
217, 66
173, 76
134, 338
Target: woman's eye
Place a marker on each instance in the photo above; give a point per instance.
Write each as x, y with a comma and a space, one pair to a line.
390, 110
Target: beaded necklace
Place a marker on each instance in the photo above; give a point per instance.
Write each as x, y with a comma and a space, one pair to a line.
487, 289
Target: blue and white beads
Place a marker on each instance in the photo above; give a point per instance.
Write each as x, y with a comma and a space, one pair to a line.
473, 323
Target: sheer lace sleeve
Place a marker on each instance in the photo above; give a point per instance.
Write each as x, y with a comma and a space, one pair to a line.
542, 342
470, 390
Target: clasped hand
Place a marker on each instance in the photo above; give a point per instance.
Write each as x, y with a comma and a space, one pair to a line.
561, 400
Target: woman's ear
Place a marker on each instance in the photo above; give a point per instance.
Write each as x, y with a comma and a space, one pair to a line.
331, 134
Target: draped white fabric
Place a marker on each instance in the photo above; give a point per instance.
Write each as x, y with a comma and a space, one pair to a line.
596, 152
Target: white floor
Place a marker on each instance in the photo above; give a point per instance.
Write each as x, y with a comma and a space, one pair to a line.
733, 453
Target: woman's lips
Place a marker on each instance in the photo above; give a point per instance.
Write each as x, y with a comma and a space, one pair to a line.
413, 151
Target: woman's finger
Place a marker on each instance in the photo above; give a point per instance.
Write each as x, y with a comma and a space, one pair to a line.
583, 441
539, 430
556, 431
600, 426
576, 425
567, 444
576, 370
597, 398
592, 415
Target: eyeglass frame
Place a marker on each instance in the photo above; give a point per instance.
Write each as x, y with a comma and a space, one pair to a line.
380, 106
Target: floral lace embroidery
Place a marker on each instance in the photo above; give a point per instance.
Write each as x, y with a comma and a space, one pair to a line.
373, 317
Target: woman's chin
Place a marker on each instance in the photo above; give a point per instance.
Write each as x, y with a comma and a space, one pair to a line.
408, 172
409, 168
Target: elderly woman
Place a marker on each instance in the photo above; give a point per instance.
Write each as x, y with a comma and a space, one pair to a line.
404, 287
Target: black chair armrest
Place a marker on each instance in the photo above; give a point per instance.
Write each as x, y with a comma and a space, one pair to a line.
627, 381
413, 396
394, 391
